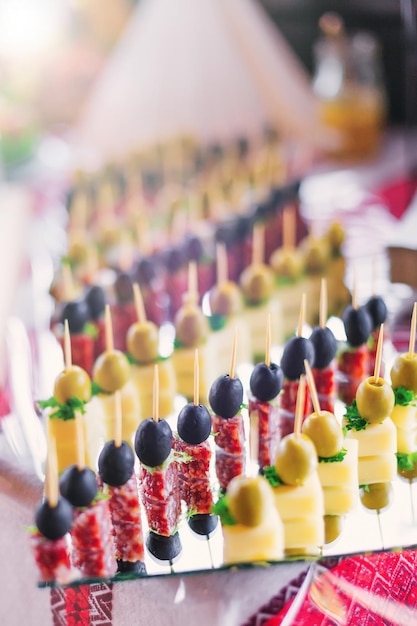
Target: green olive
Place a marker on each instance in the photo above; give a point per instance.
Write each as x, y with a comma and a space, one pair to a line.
375, 399
111, 371
409, 475
142, 341
296, 459
325, 432
191, 325
316, 254
287, 263
73, 382
376, 496
225, 299
257, 282
335, 235
333, 527
404, 372
248, 498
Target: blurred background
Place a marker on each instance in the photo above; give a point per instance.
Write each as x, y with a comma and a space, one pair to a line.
53, 54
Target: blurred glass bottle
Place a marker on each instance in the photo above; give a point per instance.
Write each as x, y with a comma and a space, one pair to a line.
348, 82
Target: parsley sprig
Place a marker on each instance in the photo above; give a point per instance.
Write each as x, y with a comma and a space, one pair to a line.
406, 462
404, 397
271, 475
65, 411
221, 508
353, 419
337, 458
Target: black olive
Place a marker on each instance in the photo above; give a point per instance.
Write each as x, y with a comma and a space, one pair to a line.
115, 463
123, 287
145, 271
325, 346
193, 248
77, 314
203, 523
153, 442
174, 259
164, 548
296, 350
377, 310
53, 522
95, 298
358, 325
194, 423
78, 486
266, 381
226, 396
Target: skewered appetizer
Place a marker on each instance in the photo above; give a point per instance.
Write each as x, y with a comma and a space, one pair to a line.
91, 532
265, 385
226, 306
158, 483
225, 399
297, 490
191, 332
49, 539
72, 396
325, 348
353, 358
194, 457
378, 312
296, 350
367, 420
338, 463
257, 283
336, 269
116, 469
143, 350
287, 263
404, 414
315, 251
78, 311
252, 528
111, 373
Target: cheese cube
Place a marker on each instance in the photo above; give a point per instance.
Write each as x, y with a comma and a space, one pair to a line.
340, 500
375, 438
183, 361
143, 375
304, 535
245, 544
406, 440
381, 468
295, 502
404, 416
342, 473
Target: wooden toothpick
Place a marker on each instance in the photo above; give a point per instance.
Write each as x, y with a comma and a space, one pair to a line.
323, 303
108, 329
233, 359
67, 346
268, 341
302, 315
118, 419
299, 406
196, 379
412, 331
312, 387
139, 304
155, 397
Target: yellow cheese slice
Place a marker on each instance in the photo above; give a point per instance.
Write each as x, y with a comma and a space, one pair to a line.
295, 502
143, 376
183, 362
221, 342
381, 468
304, 533
131, 412
244, 544
375, 438
341, 473
340, 500
407, 440
404, 416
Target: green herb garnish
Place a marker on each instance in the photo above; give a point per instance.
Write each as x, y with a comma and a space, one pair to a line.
271, 475
217, 322
65, 411
406, 462
337, 458
404, 397
354, 420
221, 508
